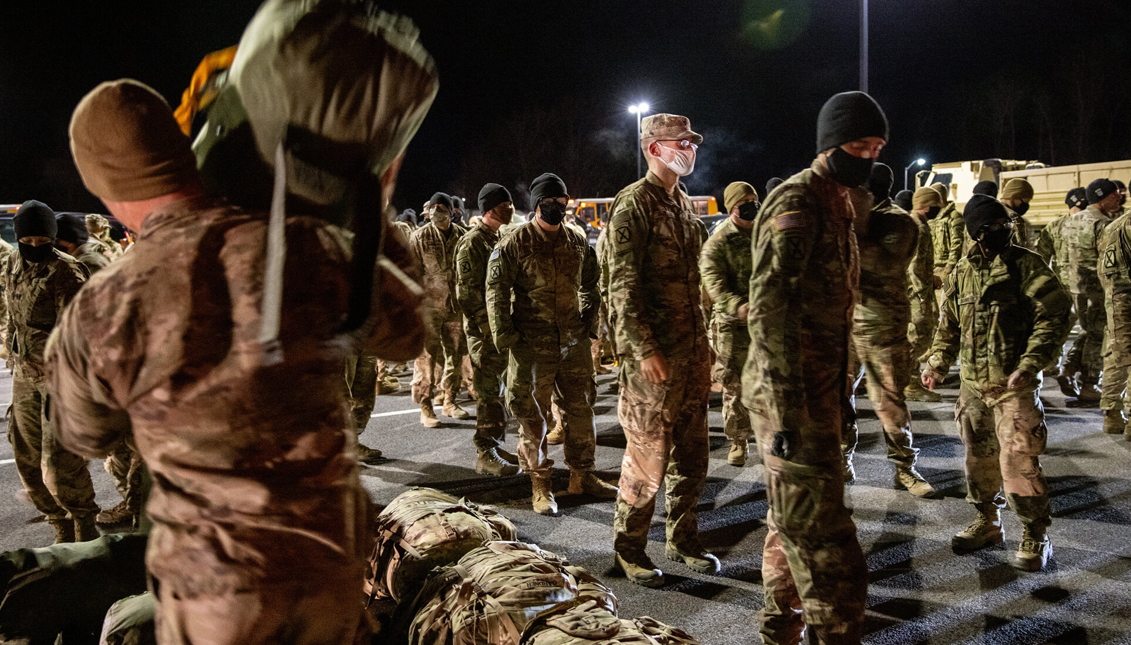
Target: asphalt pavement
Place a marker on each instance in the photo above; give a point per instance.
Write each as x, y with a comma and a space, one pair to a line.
919, 591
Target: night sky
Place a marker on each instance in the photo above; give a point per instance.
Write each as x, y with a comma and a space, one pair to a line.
1035, 79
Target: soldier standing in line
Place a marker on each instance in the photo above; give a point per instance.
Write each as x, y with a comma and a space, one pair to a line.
948, 236
985, 187
542, 301
806, 272
488, 364
1004, 316
1016, 196
903, 200
362, 380
888, 240
74, 240
6, 252
440, 367
725, 268
99, 228
1048, 246
1080, 250
661, 337
921, 283
38, 282
1115, 275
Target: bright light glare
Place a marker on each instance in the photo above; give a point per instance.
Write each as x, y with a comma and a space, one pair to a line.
920, 161
643, 107
632, 109
639, 108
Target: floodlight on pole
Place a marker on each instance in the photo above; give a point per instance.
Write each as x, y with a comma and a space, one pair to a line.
918, 162
638, 109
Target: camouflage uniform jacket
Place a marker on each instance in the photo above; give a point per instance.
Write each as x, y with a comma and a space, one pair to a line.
7, 254
998, 316
435, 250
1023, 235
542, 288
1115, 275
1049, 241
472, 253
36, 293
948, 233
725, 266
92, 255
920, 273
653, 263
887, 239
806, 272
1080, 251
253, 458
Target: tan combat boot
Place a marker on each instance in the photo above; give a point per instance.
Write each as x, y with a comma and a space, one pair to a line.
86, 529
737, 454
1114, 422
367, 455
1035, 550
543, 498
1089, 393
984, 531
916, 392
64, 530
600, 370
694, 556
452, 409
388, 385
1068, 386
584, 481
120, 514
639, 569
490, 463
909, 479
428, 415
557, 435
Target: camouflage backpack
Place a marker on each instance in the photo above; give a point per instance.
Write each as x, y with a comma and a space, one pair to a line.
422, 529
495, 592
586, 621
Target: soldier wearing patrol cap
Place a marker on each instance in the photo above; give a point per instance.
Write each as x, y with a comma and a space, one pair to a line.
661, 337
1049, 246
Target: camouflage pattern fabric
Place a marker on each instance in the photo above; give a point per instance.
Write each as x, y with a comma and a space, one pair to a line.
92, 255
725, 268
361, 388
542, 301
1048, 246
99, 228
488, 365
125, 465
655, 308
1023, 234
587, 621
607, 311
1114, 273
948, 231
921, 293
131, 621
806, 271
444, 342
888, 240
7, 253
36, 293
1079, 256
253, 462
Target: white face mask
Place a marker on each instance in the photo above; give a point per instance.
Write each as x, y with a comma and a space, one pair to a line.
682, 163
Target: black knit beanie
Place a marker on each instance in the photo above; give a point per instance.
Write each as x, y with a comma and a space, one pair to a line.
849, 116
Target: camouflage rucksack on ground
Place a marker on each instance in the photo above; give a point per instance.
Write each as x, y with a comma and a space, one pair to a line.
583, 622
495, 592
131, 621
422, 529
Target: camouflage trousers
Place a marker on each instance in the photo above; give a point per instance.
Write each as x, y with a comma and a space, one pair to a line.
56, 479
1004, 434
488, 369
273, 613
921, 331
813, 570
127, 468
361, 377
1086, 355
439, 370
1117, 356
1061, 365
732, 343
887, 364
535, 381
602, 346
666, 431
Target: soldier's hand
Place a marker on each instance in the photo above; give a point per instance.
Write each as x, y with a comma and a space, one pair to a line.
655, 369
743, 311
785, 444
1019, 380
931, 378
938, 282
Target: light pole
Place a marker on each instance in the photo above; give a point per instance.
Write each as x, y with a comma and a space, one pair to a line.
639, 109
863, 45
918, 162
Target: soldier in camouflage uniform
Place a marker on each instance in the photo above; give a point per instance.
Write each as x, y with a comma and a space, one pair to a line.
1048, 246
806, 272
38, 282
655, 308
1016, 196
440, 367
888, 240
542, 301
488, 364
99, 228
1005, 314
1115, 275
948, 235
1079, 256
74, 240
361, 380
725, 269
925, 208
6, 252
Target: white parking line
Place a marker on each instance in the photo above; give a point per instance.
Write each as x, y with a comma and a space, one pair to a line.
393, 414
7, 461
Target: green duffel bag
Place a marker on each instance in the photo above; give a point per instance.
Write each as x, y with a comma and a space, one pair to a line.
586, 622
494, 592
131, 621
663, 634
422, 529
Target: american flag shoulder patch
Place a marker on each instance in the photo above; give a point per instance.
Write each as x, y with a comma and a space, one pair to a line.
789, 220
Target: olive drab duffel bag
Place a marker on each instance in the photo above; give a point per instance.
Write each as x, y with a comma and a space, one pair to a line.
494, 592
422, 529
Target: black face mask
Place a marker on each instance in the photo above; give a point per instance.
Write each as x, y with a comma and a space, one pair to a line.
748, 211
994, 242
552, 212
849, 170
36, 253
1022, 209
933, 212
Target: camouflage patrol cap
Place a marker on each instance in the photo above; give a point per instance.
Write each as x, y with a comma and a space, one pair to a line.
668, 126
